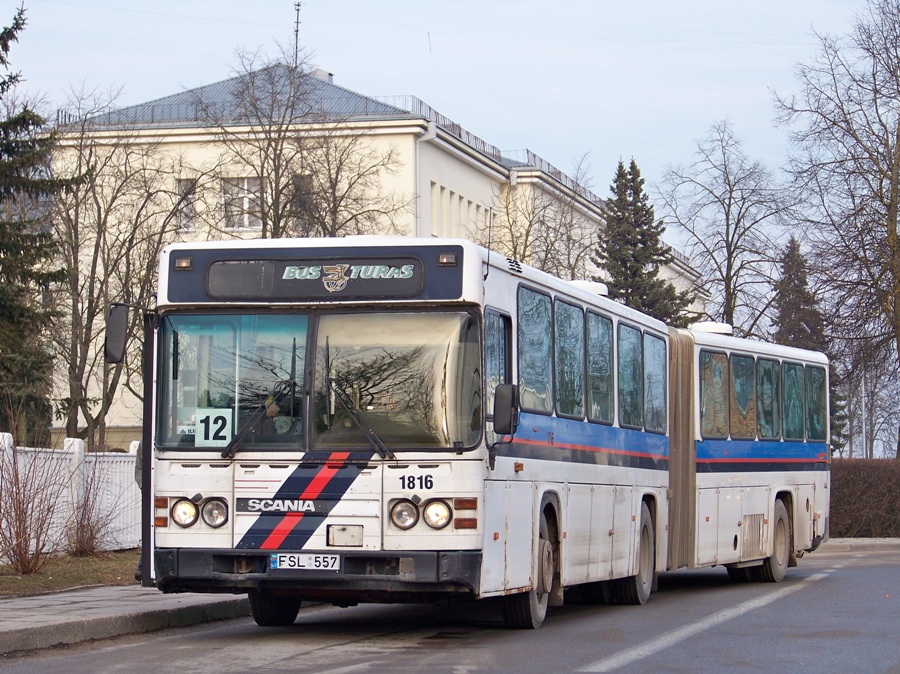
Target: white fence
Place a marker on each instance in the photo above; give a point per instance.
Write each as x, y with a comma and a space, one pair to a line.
62, 490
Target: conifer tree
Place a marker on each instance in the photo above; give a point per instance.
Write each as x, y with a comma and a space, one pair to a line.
799, 322
26, 251
631, 252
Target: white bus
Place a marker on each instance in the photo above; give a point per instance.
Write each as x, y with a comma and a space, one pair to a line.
375, 419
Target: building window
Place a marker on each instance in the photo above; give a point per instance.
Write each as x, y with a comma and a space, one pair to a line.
186, 206
242, 203
303, 203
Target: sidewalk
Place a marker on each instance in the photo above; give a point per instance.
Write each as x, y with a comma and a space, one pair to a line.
74, 616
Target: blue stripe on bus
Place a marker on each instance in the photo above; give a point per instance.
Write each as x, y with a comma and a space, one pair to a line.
716, 456
574, 441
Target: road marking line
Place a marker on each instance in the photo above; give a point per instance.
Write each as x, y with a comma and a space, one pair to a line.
631, 655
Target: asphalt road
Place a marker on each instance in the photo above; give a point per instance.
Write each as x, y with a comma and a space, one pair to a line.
836, 612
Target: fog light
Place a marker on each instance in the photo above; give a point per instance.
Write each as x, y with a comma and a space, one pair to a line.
214, 512
184, 513
404, 514
437, 514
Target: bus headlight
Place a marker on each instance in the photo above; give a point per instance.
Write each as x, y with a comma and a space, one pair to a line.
404, 514
184, 513
437, 514
214, 512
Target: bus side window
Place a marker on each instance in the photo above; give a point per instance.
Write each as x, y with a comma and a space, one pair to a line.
815, 403
768, 399
535, 326
497, 339
743, 397
631, 380
655, 395
599, 368
713, 395
569, 354
793, 401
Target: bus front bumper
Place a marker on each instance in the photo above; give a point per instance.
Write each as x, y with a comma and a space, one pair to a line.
362, 576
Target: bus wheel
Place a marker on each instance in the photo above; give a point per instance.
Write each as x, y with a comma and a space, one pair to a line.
775, 567
269, 611
598, 592
527, 610
739, 574
636, 589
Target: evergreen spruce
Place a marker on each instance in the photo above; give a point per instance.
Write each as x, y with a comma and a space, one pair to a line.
630, 250
799, 322
26, 251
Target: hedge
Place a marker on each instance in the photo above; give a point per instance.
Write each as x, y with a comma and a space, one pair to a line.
865, 498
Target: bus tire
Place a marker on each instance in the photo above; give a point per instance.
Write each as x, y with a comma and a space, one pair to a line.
527, 610
739, 574
636, 589
775, 567
270, 611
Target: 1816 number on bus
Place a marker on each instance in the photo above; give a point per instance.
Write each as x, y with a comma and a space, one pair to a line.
416, 482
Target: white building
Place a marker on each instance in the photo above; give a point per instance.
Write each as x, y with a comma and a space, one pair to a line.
435, 178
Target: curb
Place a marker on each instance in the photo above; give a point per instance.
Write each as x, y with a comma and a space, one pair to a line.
859, 544
79, 631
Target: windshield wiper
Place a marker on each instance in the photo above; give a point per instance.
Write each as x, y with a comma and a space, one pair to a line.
280, 390
371, 436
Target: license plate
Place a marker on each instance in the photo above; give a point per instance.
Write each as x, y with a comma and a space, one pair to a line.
308, 561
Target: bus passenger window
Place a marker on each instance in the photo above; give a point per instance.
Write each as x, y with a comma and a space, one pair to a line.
743, 397
569, 347
655, 384
815, 403
768, 399
631, 384
793, 401
535, 357
599, 368
496, 355
713, 395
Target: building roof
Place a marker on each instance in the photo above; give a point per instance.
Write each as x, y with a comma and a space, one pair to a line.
321, 98
323, 101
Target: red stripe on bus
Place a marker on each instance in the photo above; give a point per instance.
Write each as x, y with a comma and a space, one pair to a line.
281, 531
588, 448
821, 459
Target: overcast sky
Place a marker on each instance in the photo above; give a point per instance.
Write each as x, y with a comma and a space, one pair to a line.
643, 79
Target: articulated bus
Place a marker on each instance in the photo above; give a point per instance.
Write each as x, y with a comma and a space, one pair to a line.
381, 419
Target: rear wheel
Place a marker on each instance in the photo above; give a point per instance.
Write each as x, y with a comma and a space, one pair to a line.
774, 568
636, 589
270, 611
527, 610
598, 592
739, 574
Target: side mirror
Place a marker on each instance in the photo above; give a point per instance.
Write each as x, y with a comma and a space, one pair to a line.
506, 409
116, 333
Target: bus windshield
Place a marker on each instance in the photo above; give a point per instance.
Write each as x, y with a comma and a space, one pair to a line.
410, 380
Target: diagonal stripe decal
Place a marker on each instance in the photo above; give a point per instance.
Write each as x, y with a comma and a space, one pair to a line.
314, 490
292, 530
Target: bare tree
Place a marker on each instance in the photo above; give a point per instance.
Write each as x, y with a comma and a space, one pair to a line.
111, 225
728, 206
519, 212
547, 226
566, 240
845, 130
292, 164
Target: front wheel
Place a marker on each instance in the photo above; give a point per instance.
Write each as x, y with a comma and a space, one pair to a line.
636, 589
527, 610
270, 611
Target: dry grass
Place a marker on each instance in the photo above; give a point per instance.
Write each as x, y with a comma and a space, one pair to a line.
64, 573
